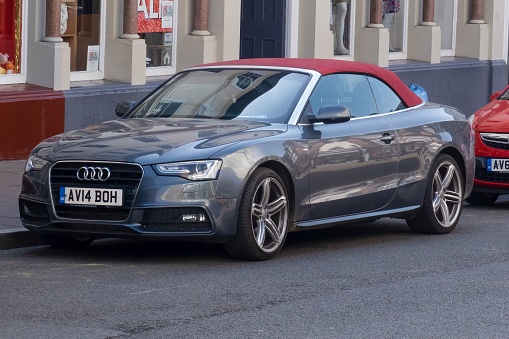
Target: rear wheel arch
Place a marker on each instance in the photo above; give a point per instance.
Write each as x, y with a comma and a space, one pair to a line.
456, 155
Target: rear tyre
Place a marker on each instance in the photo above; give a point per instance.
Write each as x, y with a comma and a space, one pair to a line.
67, 242
263, 219
443, 200
482, 198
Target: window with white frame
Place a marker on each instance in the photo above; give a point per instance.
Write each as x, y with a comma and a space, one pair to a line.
81, 25
156, 23
393, 18
12, 51
341, 23
445, 17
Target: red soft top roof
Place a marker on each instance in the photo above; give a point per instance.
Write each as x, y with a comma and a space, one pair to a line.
330, 66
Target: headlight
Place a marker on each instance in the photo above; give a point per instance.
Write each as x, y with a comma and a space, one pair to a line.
193, 170
34, 163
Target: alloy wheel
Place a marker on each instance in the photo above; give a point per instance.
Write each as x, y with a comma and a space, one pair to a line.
269, 214
447, 191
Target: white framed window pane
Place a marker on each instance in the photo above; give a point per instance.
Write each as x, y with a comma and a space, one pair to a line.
393, 18
80, 26
12, 50
157, 26
445, 15
341, 26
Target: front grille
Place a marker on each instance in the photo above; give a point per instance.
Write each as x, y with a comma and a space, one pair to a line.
126, 177
496, 145
496, 140
484, 175
170, 220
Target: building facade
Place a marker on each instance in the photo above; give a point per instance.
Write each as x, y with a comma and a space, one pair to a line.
64, 64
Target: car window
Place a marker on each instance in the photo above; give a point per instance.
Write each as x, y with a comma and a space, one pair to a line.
229, 94
349, 90
386, 99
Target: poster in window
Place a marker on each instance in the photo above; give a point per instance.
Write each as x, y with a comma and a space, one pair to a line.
168, 39
93, 58
155, 16
167, 14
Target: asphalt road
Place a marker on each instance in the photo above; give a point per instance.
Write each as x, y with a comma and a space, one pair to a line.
374, 280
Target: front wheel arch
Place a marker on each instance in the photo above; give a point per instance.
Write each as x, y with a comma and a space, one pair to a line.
263, 217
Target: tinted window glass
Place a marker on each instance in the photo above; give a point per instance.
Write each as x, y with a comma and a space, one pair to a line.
386, 99
349, 90
257, 95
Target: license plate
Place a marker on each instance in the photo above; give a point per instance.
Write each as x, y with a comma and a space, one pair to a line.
498, 165
91, 196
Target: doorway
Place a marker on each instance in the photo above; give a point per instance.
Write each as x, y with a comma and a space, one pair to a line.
262, 29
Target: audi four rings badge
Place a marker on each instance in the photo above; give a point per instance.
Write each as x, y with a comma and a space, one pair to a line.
93, 173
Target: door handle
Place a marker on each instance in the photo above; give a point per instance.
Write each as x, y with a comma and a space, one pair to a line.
387, 138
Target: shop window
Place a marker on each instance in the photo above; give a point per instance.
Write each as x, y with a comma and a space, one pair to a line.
340, 25
393, 18
155, 25
445, 17
80, 26
10, 40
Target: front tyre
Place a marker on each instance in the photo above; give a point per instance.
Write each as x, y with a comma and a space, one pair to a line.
263, 218
482, 198
443, 200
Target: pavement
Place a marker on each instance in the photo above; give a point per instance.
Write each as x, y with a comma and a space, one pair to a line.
12, 232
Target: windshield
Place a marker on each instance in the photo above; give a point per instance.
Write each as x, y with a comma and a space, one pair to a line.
229, 94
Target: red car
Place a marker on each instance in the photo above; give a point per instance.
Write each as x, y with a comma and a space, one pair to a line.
491, 127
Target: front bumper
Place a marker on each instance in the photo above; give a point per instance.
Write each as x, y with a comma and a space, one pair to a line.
488, 181
162, 207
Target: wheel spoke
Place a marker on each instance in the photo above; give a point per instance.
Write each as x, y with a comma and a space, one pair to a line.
438, 182
437, 202
276, 205
256, 210
448, 176
264, 201
453, 197
444, 209
273, 231
260, 232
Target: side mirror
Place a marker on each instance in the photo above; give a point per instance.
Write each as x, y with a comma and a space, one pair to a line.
124, 107
495, 95
330, 114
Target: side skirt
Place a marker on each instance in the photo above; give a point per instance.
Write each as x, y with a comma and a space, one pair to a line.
329, 222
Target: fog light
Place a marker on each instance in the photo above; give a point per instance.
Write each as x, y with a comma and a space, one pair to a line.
198, 217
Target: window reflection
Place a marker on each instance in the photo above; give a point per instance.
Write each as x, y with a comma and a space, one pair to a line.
392, 18
444, 14
341, 26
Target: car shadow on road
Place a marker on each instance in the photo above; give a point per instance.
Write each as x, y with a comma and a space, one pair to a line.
322, 240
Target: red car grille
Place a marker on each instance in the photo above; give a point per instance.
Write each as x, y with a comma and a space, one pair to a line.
484, 175
497, 143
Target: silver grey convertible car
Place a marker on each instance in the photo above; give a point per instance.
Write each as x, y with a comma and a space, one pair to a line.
243, 152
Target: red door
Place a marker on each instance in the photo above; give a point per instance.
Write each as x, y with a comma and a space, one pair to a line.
262, 29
